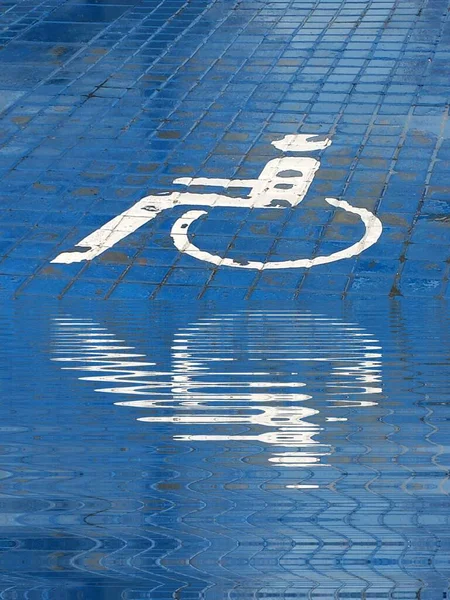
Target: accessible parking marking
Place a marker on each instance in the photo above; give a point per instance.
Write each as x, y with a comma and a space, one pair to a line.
283, 183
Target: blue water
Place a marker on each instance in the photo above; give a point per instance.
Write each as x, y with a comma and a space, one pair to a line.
225, 451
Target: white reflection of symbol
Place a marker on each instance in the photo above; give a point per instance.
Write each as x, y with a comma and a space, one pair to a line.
241, 369
283, 183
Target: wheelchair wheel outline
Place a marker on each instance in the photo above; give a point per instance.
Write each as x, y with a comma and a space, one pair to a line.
373, 230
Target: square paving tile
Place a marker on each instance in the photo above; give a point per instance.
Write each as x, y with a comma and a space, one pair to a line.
8, 97
87, 13
62, 32
24, 78
42, 54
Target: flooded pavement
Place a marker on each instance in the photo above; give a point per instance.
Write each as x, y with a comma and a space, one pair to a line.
257, 451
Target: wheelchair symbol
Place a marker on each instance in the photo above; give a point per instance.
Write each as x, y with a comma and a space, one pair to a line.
283, 183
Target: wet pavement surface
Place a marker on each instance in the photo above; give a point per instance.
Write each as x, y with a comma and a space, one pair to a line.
224, 270
107, 102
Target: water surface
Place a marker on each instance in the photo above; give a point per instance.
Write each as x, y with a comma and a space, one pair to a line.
246, 451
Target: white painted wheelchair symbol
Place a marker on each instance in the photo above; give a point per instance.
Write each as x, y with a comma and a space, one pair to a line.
283, 183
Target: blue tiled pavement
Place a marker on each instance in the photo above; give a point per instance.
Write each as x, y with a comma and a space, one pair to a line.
107, 101
178, 428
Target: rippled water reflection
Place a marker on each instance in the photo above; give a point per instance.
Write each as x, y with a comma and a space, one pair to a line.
210, 453
284, 374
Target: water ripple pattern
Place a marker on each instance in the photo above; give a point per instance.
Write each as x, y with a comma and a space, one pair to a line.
214, 452
246, 369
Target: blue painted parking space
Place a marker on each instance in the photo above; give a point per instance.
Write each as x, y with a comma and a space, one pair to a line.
122, 117
224, 269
